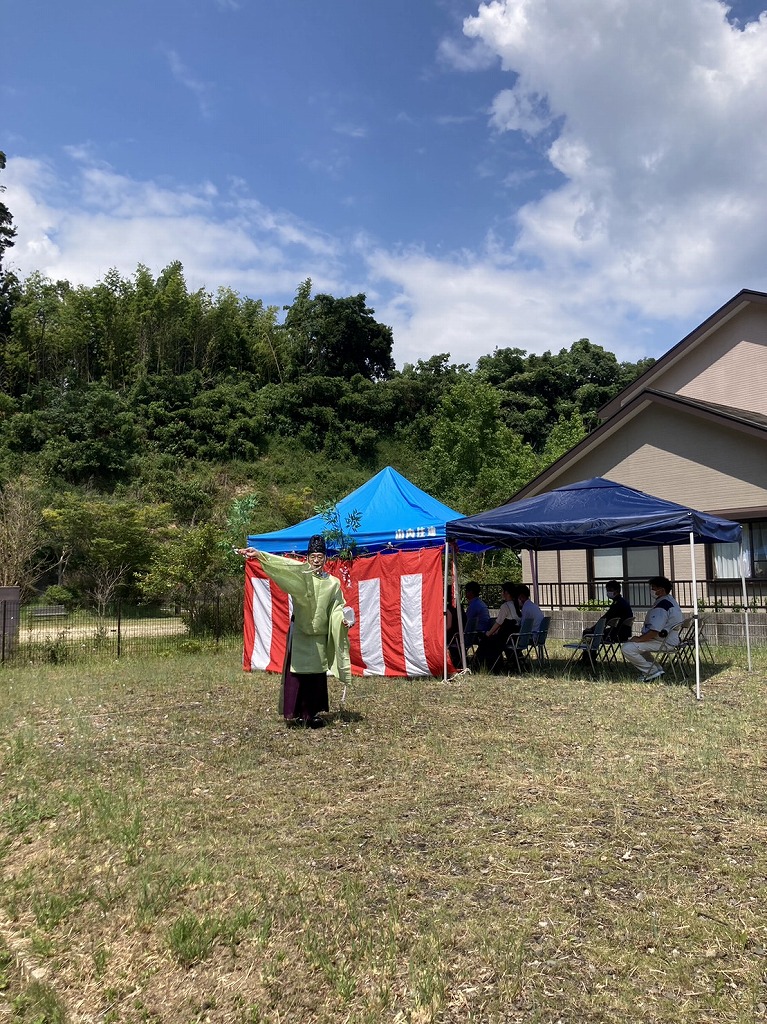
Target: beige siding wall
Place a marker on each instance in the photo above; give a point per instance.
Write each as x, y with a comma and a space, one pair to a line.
728, 367
573, 566
680, 458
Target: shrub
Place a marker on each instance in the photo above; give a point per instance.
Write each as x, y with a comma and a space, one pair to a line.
59, 595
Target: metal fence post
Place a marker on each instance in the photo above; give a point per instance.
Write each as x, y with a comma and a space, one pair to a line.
119, 625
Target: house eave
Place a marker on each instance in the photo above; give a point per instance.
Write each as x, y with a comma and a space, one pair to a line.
735, 305
547, 479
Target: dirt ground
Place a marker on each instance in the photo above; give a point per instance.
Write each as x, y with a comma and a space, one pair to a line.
38, 631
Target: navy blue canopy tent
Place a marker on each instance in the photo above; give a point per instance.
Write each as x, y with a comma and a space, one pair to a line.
595, 513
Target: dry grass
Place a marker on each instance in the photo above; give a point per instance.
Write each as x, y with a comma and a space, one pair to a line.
488, 850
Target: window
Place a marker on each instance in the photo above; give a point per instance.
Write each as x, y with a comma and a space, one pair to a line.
725, 557
727, 561
637, 564
759, 548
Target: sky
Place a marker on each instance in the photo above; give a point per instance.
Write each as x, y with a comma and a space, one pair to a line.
517, 173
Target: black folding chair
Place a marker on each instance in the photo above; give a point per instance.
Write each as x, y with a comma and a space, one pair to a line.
518, 646
538, 647
588, 645
611, 642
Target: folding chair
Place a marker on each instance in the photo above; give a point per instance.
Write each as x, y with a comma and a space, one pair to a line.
588, 645
538, 646
680, 656
518, 646
611, 645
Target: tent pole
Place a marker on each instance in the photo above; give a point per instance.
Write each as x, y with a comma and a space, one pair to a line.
444, 613
457, 595
695, 615
745, 602
534, 571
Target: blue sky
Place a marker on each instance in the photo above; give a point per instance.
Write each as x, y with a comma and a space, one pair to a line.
517, 173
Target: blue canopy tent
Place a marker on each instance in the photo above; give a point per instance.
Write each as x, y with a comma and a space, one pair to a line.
396, 515
592, 514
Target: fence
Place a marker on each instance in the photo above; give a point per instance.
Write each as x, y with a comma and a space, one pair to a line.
720, 605
34, 634
710, 595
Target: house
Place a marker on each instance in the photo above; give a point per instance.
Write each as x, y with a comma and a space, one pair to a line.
692, 429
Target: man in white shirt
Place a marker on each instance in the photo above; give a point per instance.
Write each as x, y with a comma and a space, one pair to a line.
528, 608
660, 629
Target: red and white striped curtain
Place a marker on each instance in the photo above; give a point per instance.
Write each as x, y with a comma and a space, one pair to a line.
397, 601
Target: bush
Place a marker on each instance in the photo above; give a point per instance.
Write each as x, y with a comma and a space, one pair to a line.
59, 595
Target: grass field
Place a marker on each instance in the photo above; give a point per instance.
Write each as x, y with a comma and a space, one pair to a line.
486, 850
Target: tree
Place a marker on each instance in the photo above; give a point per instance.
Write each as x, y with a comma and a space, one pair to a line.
337, 337
7, 230
9, 284
565, 434
92, 435
475, 461
20, 535
193, 565
102, 543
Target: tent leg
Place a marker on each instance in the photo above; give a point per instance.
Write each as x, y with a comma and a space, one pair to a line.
745, 604
695, 615
534, 572
444, 614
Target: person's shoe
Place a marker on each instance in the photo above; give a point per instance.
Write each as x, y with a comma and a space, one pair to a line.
295, 723
316, 723
654, 673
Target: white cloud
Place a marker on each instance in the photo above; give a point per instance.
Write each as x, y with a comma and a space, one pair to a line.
464, 56
77, 228
200, 89
471, 304
657, 111
652, 117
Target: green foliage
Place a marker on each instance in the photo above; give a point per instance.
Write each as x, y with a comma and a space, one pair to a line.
565, 434
194, 565
539, 390
140, 407
59, 595
336, 337
475, 461
338, 532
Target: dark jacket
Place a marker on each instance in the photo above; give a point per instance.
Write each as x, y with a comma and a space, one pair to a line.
619, 609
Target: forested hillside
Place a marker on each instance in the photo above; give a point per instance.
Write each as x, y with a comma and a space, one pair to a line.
144, 427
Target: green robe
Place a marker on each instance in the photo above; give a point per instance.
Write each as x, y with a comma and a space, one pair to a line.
320, 638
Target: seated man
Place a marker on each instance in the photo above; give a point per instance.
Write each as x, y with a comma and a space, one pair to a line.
478, 617
661, 628
528, 609
619, 609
